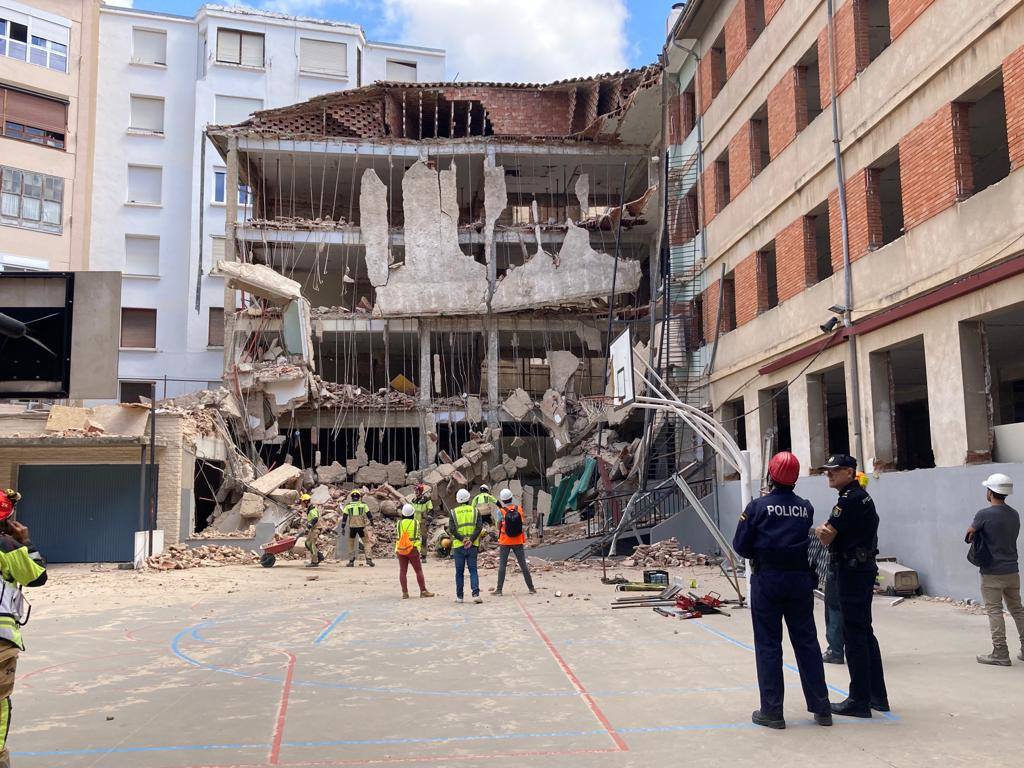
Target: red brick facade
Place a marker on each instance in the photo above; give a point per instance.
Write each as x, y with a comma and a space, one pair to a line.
902, 14
682, 219
709, 308
787, 110
864, 214
935, 164
742, 158
852, 48
795, 260
741, 30
681, 118
1013, 95
751, 289
771, 7
709, 77
713, 185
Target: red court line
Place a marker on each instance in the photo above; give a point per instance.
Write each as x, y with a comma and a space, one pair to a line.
282, 711
587, 698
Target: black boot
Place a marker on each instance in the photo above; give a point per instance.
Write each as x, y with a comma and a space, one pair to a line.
850, 708
757, 717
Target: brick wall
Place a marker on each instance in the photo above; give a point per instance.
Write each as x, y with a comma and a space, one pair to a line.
771, 7
795, 258
741, 160
709, 308
526, 112
741, 30
787, 110
682, 219
864, 216
852, 48
713, 188
935, 164
751, 295
1013, 95
681, 118
709, 77
902, 14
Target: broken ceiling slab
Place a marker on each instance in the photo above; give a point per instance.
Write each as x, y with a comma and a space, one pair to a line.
518, 405
373, 212
474, 409
582, 190
284, 475
122, 419
552, 409
286, 393
258, 280
562, 365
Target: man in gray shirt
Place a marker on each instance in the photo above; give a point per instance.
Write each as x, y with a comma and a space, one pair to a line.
999, 524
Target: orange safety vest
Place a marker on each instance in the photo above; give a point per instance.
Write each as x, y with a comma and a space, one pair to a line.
511, 540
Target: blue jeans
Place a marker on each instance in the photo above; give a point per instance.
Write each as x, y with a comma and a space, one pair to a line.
462, 559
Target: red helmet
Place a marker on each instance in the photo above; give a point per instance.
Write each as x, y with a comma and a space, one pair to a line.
6, 506
784, 468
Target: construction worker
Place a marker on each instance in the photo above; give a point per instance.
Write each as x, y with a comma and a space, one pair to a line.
773, 533
355, 515
851, 534
423, 508
312, 523
511, 538
408, 546
484, 498
20, 566
465, 527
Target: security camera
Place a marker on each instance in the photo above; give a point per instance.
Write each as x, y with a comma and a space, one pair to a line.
830, 325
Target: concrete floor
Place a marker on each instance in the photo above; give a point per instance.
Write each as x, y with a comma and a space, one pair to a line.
242, 666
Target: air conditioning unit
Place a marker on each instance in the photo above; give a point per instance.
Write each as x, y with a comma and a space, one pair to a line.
896, 579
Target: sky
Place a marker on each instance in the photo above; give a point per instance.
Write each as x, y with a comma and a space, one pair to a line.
503, 40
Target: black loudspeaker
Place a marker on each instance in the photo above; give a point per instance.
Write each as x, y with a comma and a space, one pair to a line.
35, 335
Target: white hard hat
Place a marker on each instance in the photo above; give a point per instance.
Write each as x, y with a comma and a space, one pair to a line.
407, 510
999, 483
505, 495
484, 489
462, 496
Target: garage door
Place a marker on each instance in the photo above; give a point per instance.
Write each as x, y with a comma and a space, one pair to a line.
81, 513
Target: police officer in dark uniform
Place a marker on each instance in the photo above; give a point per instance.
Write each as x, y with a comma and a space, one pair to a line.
851, 534
773, 533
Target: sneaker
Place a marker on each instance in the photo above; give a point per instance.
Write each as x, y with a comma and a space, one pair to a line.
369, 562
477, 599
312, 565
823, 719
850, 708
425, 593
459, 600
405, 595
832, 658
757, 717
995, 661
350, 564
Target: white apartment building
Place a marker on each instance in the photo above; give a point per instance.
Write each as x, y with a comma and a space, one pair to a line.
158, 194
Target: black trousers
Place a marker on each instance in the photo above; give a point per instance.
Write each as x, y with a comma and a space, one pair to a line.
867, 678
789, 595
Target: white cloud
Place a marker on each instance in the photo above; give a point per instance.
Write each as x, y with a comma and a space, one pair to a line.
516, 40
120, 3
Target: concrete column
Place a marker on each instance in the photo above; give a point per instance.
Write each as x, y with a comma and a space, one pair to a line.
882, 411
230, 250
806, 423
946, 408
428, 424
492, 374
978, 406
755, 424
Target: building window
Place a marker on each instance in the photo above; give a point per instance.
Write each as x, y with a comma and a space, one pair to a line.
141, 255
149, 46
29, 117
890, 195
31, 200
147, 114
359, 67
879, 30
400, 71
36, 41
237, 47
990, 149
728, 320
229, 110
773, 406
217, 248
760, 153
810, 83
215, 334
137, 391
144, 185
822, 242
321, 57
220, 190
138, 328
767, 279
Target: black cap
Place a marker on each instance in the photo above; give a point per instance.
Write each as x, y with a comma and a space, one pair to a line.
839, 460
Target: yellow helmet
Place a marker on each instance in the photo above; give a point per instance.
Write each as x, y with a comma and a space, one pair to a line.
305, 497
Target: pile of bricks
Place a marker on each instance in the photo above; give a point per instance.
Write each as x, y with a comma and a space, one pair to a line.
178, 557
666, 553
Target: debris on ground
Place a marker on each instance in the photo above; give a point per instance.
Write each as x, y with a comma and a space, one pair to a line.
178, 557
668, 552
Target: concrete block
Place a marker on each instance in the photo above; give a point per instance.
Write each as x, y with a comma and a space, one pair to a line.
396, 473
351, 467
334, 473
320, 495
543, 504
286, 474
286, 496
229, 521
474, 410
562, 366
373, 474
518, 405
251, 507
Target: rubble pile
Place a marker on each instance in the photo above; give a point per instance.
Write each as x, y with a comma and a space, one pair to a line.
178, 557
298, 222
667, 553
568, 532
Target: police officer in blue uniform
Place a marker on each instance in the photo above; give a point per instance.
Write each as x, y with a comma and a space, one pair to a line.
773, 533
851, 534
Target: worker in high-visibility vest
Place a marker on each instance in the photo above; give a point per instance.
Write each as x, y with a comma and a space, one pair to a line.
356, 516
408, 546
511, 540
465, 528
485, 503
20, 566
312, 523
423, 508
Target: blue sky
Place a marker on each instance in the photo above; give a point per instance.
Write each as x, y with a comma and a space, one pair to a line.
524, 40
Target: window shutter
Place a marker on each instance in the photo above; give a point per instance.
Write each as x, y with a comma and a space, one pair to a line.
400, 72
138, 328
50, 31
215, 337
229, 110
217, 249
147, 114
141, 255
323, 57
252, 50
229, 43
149, 47
35, 111
144, 184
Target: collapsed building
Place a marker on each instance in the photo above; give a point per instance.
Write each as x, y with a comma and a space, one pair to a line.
422, 276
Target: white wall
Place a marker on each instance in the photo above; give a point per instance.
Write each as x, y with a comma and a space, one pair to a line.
190, 84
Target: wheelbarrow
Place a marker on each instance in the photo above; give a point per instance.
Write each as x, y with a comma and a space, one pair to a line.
267, 559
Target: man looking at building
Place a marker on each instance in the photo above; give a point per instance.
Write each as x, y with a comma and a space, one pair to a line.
355, 516
851, 534
511, 538
773, 533
465, 528
999, 525
486, 504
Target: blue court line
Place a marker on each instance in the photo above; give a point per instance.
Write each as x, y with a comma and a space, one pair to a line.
330, 627
787, 666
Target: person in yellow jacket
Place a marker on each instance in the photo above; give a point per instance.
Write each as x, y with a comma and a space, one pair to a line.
356, 516
465, 528
20, 566
312, 523
423, 508
408, 545
485, 503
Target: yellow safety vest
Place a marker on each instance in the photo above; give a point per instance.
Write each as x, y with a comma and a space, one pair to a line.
409, 525
356, 512
483, 498
466, 519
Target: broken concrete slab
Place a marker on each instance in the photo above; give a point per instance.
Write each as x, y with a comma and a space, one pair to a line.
284, 475
396, 473
373, 224
474, 409
259, 280
590, 336
352, 466
372, 474
518, 404
582, 190
228, 521
251, 507
361, 456
543, 504
285, 496
320, 495
562, 366
334, 473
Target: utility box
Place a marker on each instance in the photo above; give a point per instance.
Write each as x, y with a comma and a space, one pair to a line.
896, 579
